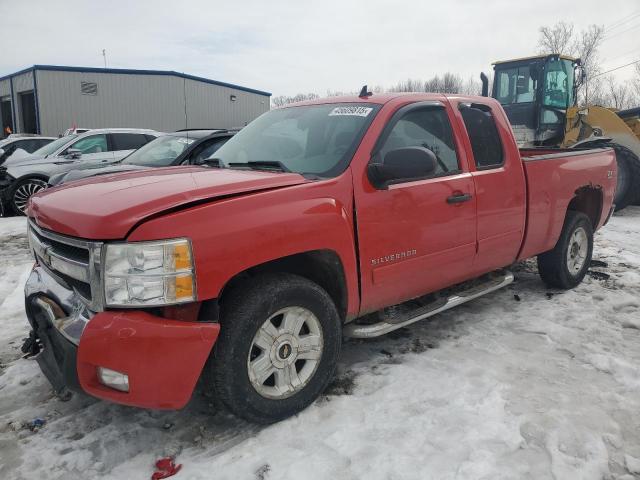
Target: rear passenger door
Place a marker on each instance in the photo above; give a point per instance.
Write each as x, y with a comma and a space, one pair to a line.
499, 183
419, 235
122, 144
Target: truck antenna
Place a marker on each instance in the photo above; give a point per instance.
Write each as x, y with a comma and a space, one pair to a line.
364, 93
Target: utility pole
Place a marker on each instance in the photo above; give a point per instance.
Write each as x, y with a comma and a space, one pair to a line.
104, 56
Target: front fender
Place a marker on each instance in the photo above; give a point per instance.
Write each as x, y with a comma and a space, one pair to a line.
232, 235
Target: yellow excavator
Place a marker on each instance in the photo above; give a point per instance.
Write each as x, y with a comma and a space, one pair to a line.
539, 96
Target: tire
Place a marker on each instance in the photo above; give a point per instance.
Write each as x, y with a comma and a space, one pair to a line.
244, 355
628, 186
560, 268
23, 190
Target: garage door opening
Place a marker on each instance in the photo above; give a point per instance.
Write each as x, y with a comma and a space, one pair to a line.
28, 112
7, 116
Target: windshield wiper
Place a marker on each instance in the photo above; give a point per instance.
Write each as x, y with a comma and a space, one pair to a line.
262, 165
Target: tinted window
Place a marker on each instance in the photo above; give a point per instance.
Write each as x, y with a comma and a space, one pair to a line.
92, 144
128, 141
428, 128
483, 133
207, 149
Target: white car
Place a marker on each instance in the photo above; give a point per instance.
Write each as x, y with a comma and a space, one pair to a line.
21, 177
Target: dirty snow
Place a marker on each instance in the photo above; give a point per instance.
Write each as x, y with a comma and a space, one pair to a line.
525, 383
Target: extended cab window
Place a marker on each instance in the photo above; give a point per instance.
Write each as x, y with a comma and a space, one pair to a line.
427, 127
483, 133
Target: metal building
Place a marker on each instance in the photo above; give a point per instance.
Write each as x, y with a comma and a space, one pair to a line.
49, 99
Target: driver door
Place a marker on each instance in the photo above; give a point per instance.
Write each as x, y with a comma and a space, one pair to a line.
417, 236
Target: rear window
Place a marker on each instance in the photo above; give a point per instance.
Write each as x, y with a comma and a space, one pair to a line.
128, 141
483, 133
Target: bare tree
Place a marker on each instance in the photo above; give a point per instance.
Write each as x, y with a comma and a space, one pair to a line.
556, 39
619, 95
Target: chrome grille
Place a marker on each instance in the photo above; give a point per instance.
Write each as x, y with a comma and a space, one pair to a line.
73, 262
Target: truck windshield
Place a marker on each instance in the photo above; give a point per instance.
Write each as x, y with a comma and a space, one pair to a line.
160, 152
316, 140
49, 148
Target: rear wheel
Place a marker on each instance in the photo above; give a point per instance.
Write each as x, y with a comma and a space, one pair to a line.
628, 184
23, 190
279, 343
566, 265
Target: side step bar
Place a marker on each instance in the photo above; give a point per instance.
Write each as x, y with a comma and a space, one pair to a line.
490, 284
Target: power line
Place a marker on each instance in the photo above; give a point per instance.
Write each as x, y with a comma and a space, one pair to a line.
617, 68
608, 37
622, 21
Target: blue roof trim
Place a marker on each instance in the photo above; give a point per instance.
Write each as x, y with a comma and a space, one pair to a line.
128, 71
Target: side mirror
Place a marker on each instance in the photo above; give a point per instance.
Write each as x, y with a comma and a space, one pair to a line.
2, 152
73, 153
402, 165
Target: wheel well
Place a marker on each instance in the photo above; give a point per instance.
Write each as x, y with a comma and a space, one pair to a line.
320, 266
588, 200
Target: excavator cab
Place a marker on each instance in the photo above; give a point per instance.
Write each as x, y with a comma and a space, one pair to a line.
536, 92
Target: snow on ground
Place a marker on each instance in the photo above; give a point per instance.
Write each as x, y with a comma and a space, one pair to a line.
524, 383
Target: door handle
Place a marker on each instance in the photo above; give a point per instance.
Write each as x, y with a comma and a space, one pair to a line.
459, 198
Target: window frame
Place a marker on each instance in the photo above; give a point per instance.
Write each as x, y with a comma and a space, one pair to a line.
486, 108
398, 115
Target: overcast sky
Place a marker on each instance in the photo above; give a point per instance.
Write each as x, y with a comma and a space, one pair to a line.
292, 46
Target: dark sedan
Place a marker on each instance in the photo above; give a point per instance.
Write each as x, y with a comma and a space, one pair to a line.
186, 147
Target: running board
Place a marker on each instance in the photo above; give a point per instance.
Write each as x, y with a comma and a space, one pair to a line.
463, 294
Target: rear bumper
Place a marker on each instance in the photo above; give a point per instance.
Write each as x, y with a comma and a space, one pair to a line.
162, 358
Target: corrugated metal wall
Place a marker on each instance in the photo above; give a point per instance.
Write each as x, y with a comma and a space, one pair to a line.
143, 101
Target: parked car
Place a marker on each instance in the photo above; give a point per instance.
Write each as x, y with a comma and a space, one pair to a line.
28, 143
22, 177
340, 216
179, 148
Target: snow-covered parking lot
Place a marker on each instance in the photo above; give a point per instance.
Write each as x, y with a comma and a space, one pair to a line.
524, 383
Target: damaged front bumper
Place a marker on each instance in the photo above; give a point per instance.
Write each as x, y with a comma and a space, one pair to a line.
162, 358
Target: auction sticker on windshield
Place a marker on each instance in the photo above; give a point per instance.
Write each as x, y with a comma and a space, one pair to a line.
186, 141
353, 111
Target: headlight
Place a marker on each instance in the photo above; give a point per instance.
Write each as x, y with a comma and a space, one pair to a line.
148, 273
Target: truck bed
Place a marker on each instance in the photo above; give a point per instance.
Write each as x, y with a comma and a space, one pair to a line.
554, 176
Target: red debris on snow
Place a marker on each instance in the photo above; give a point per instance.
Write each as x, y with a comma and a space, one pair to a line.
165, 468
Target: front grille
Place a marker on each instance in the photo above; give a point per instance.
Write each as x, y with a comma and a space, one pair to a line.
75, 263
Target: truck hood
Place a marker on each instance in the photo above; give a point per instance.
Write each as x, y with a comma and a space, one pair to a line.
92, 171
109, 206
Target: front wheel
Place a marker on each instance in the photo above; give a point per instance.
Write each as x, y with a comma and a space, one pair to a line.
566, 265
278, 347
23, 190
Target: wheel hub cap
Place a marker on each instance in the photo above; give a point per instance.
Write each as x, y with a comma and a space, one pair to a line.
285, 352
577, 251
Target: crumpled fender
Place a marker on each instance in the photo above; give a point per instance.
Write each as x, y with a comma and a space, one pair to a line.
163, 358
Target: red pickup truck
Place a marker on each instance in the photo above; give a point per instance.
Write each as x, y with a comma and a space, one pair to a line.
342, 216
